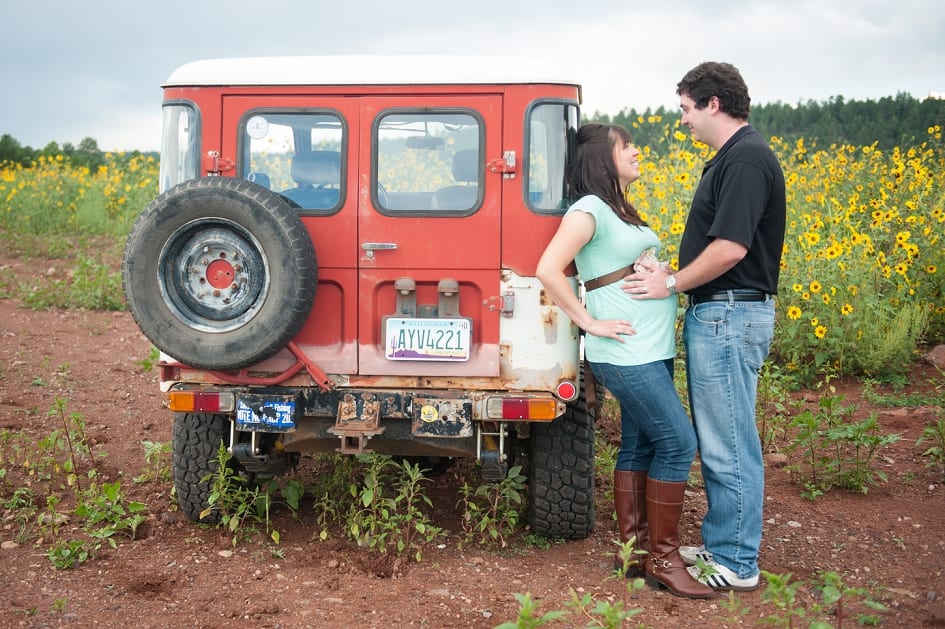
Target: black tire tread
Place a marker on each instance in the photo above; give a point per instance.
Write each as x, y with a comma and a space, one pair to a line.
562, 474
195, 442
276, 325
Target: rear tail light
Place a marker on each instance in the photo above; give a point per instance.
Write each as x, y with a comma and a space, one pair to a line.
525, 408
201, 401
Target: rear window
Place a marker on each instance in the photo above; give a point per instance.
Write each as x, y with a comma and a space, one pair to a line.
299, 154
428, 162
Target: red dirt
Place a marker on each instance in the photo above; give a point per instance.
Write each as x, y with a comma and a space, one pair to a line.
890, 540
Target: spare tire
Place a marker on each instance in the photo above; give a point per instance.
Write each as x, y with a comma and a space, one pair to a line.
219, 273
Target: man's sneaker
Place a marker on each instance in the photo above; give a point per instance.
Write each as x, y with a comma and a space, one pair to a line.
689, 554
723, 579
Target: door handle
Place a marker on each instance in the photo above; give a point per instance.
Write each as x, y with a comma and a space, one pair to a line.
373, 246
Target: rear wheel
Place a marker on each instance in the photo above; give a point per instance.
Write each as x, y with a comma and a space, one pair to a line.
196, 441
561, 474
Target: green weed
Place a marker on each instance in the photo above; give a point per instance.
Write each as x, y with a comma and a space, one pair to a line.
389, 511
106, 513
527, 614
934, 434
66, 555
157, 464
835, 450
241, 506
91, 284
147, 363
492, 511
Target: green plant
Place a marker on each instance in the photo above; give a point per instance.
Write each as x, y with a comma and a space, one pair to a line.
75, 440
734, 611
836, 450
772, 405
855, 447
899, 399
492, 512
838, 598
13, 448
331, 498
811, 491
21, 500
157, 466
704, 570
66, 555
782, 593
147, 363
398, 521
627, 552
934, 433
527, 611
602, 613
106, 513
541, 542
50, 520
20, 510
605, 461
240, 506
92, 285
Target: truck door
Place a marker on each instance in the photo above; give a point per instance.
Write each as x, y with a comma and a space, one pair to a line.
306, 147
429, 238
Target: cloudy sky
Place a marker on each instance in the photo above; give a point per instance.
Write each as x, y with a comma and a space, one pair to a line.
71, 70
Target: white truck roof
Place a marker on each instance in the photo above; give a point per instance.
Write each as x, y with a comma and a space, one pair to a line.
367, 70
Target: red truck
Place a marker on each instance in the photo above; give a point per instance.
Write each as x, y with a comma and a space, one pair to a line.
342, 258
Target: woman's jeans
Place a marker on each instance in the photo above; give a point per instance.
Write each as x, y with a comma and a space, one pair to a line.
726, 343
656, 433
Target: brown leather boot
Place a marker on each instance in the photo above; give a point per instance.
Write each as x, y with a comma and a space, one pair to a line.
630, 504
664, 566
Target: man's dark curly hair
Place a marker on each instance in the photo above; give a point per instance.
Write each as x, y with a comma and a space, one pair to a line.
717, 79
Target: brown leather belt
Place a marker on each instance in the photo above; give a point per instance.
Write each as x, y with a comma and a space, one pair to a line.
608, 278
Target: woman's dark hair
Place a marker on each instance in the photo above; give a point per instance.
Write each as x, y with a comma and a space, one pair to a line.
593, 170
722, 80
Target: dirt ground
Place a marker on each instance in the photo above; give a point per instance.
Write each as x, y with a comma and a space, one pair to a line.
177, 574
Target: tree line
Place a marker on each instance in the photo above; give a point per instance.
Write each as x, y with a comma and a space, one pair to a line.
900, 120
87, 154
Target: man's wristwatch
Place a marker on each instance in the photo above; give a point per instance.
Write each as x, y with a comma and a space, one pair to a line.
671, 284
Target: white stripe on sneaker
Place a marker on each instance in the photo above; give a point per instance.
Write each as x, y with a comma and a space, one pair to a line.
722, 578
690, 554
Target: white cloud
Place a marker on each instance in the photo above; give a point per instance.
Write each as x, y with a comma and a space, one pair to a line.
93, 69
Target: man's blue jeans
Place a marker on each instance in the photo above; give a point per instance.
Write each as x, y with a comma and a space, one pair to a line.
656, 433
726, 343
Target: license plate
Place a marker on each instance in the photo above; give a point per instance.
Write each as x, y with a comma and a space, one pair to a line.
427, 339
259, 413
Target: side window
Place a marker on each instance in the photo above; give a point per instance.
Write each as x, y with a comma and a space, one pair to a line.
428, 162
550, 130
297, 154
180, 145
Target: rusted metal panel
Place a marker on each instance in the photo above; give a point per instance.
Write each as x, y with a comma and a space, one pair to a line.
442, 417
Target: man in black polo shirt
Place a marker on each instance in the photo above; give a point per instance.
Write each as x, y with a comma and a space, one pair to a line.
729, 260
